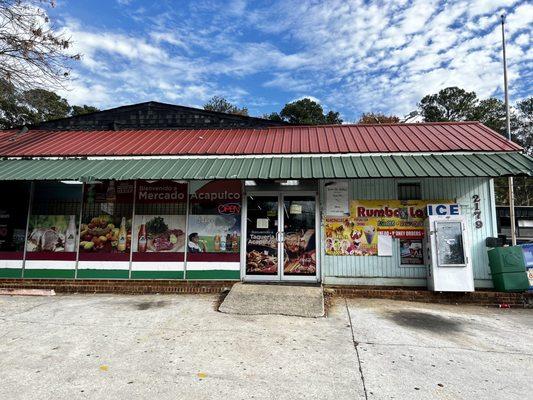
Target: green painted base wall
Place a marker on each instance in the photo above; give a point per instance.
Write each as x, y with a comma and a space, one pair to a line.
214, 274
156, 274
10, 272
103, 274
49, 273
117, 274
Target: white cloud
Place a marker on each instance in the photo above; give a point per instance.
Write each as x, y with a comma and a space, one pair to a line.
355, 55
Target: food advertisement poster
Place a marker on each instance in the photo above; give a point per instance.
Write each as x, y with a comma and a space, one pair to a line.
159, 233
52, 233
411, 252
261, 252
106, 220
300, 252
215, 216
344, 237
105, 234
357, 234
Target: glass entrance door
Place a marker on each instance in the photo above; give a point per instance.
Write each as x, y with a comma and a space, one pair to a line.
281, 237
299, 237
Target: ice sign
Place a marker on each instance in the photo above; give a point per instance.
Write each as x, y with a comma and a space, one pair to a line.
443, 209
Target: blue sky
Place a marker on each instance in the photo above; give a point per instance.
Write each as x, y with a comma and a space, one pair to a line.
352, 56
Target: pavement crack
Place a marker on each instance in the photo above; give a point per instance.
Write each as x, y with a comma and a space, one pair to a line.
355, 344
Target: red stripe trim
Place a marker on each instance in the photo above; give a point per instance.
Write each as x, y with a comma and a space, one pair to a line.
222, 257
105, 257
11, 255
51, 255
161, 256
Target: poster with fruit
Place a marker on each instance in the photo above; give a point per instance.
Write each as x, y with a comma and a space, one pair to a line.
159, 233
106, 234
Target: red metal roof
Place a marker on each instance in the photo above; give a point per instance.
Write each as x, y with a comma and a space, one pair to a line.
385, 138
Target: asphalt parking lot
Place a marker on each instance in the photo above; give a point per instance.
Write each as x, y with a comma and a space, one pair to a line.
173, 347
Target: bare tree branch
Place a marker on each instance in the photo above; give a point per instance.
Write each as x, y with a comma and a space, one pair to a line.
32, 53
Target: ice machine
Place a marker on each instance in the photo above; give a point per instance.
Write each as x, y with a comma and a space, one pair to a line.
448, 254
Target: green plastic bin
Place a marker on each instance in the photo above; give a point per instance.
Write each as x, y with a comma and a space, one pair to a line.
506, 259
510, 282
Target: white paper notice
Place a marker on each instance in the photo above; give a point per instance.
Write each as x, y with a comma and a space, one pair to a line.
262, 223
337, 203
385, 246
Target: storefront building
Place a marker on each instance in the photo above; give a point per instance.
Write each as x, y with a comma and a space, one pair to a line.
334, 204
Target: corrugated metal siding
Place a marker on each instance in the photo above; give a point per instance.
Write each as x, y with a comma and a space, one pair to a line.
432, 189
379, 166
385, 138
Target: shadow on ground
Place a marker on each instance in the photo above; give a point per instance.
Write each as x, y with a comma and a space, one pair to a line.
424, 321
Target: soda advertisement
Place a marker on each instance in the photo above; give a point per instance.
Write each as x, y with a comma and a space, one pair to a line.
215, 217
159, 233
106, 219
411, 252
52, 233
216, 233
357, 235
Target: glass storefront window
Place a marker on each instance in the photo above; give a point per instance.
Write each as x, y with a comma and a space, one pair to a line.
105, 232
160, 219
214, 232
13, 215
53, 224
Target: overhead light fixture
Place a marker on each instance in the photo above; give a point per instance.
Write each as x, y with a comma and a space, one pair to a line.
290, 182
72, 182
250, 183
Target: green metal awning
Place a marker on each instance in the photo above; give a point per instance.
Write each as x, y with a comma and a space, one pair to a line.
291, 167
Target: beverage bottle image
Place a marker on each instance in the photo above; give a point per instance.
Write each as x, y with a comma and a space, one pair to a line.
70, 235
217, 242
223, 243
229, 243
121, 245
235, 242
141, 240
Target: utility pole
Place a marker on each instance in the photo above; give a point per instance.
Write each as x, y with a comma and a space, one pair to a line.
508, 126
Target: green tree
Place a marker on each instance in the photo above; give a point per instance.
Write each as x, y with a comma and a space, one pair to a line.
449, 104
84, 109
305, 112
378, 118
44, 105
220, 104
32, 106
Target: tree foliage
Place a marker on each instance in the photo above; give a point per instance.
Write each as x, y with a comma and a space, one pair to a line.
25, 107
305, 112
455, 104
220, 104
378, 118
32, 54
450, 104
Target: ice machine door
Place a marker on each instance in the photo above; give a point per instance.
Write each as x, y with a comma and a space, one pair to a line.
450, 242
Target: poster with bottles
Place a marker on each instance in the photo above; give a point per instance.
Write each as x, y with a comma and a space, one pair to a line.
215, 217
106, 218
159, 233
52, 233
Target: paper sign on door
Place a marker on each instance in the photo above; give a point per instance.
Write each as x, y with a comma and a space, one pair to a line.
262, 223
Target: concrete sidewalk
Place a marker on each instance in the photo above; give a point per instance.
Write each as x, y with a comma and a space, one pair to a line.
173, 347
258, 299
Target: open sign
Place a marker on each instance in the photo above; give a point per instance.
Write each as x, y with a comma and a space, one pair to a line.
230, 208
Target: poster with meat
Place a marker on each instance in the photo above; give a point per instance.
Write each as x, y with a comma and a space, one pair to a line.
52, 233
300, 252
261, 252
159, 233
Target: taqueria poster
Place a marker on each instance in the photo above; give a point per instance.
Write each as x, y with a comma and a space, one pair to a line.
358, 234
